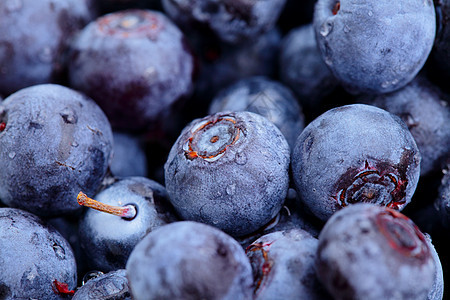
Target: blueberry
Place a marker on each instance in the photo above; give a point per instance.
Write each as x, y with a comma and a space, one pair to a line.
375, 46
109, 286
189, 260
35, 37
422, 107
370, 252
302, 68
129, 155
229, 170
266, 97
283, 266
135, 64
292, 216
441, 50
437, 291
107, 238
233, 21
55, 143
232, 63
33, 258
355, 153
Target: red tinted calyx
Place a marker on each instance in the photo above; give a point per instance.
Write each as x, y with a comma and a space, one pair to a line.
336, 8
61, 288
379, 184
131, 23
402, 234
266, 266
211, 138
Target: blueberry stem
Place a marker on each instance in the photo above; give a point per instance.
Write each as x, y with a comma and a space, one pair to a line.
126, 211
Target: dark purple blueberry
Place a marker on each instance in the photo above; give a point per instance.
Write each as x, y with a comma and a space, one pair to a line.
375, 46
189, 260
232, 21
229, 170
296, 13
355, 153
129, 156
135, 64
34, 258
108, 238
230, 63
371, 252
302, 68
109, 286
266, 97
283, 266
441, 50
34, 38
422, 107
56, 142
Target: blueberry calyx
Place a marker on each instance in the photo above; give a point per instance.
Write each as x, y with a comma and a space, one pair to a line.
261, 275
336, 8
131, 23
211, 138
61, 288
402, 234
375, 182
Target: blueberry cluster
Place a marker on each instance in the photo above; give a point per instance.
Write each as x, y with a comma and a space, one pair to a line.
224, 149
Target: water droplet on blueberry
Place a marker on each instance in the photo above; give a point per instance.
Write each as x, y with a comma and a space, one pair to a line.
12, 155
326, 28
90, 275
241, 158
59, 251
231, 189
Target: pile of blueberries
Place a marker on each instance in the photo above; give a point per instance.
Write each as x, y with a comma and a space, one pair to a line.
224, 149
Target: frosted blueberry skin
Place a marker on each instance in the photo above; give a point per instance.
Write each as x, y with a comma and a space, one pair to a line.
355, 153
135, 64
375, 46
437, 291
32, 255
367, 251
107, 240
266, 97
129, 155
34, 39
56, 142
229, 170
189, 260
302, 68
422, 106
232, 21
283, 266
110, 286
